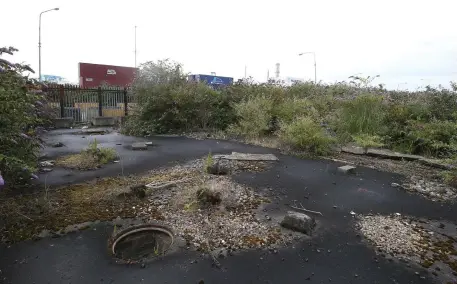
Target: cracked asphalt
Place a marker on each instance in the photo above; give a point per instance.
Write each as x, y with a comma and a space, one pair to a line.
336, 253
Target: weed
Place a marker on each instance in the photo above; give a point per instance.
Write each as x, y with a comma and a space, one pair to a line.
209, 162
368, 141
90, 158
364, 114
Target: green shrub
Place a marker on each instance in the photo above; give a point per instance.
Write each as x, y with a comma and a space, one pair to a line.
305, 134
368, 141
254, 117
22, 109
291, 108
168, 103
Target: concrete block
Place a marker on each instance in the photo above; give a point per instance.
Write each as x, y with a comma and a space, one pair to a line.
139, 146
103, 121
348, 169
63, 122
298, 222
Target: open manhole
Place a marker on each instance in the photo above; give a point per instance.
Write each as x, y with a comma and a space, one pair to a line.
141, 242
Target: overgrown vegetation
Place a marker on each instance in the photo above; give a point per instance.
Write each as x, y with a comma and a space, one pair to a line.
22, 109
305, 117
91, 158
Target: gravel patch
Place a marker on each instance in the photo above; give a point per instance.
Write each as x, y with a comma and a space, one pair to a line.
436, 191
391, 234
231, 223
426, 243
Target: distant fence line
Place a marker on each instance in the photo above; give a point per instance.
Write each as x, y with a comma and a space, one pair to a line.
83, 104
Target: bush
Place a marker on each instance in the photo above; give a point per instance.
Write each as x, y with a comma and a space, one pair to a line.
254, 117
415, 122
305, 134
22, 109
167, 103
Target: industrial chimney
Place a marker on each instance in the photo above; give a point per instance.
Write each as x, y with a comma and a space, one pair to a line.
277, 70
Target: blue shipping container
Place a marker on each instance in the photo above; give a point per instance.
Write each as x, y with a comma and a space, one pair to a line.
211, 79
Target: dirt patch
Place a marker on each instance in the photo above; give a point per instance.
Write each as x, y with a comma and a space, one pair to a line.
430, 244
26, 216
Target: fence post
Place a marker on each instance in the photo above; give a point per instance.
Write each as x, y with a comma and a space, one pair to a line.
62, 101
100, 103
125, 102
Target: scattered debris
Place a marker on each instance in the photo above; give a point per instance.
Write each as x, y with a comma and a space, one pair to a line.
301, 208
58, 145
347, 169
47, 164
247, 157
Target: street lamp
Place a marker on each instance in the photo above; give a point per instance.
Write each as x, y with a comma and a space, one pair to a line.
315, 68
39, 41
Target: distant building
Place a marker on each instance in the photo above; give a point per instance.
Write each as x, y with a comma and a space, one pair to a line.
95, 75
286, 81
54, 79
212, 80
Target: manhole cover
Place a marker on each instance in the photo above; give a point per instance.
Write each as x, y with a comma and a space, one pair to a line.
141, 242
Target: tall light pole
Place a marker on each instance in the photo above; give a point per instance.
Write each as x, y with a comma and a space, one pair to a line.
39, 41
315, 68
135, 47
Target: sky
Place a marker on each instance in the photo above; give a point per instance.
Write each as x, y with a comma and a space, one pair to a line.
410, 44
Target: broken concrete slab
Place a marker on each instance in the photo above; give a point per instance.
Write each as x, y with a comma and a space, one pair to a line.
63, 122
139, 146
247, 157
103, 121
436, 164
298, 222
353, 150
388, 154
94, 131
347, 169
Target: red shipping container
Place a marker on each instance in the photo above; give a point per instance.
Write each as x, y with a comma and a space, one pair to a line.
94, 75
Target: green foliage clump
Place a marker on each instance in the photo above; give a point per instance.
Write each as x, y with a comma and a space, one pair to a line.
305, 134
254, 117
22, 109
209, 162
92, 157
368, 141
168, 103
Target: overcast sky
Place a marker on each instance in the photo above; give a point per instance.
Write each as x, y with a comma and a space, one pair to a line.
413, 42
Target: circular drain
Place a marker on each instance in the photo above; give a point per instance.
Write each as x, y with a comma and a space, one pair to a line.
141, 242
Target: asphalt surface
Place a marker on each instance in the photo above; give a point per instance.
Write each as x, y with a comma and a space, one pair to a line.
335, 254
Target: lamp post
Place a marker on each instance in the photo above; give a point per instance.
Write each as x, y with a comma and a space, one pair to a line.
315, 68
39, 41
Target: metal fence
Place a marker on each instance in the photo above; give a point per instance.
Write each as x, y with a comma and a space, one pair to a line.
83, 104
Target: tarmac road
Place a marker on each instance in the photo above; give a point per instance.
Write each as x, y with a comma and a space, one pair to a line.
335, 254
